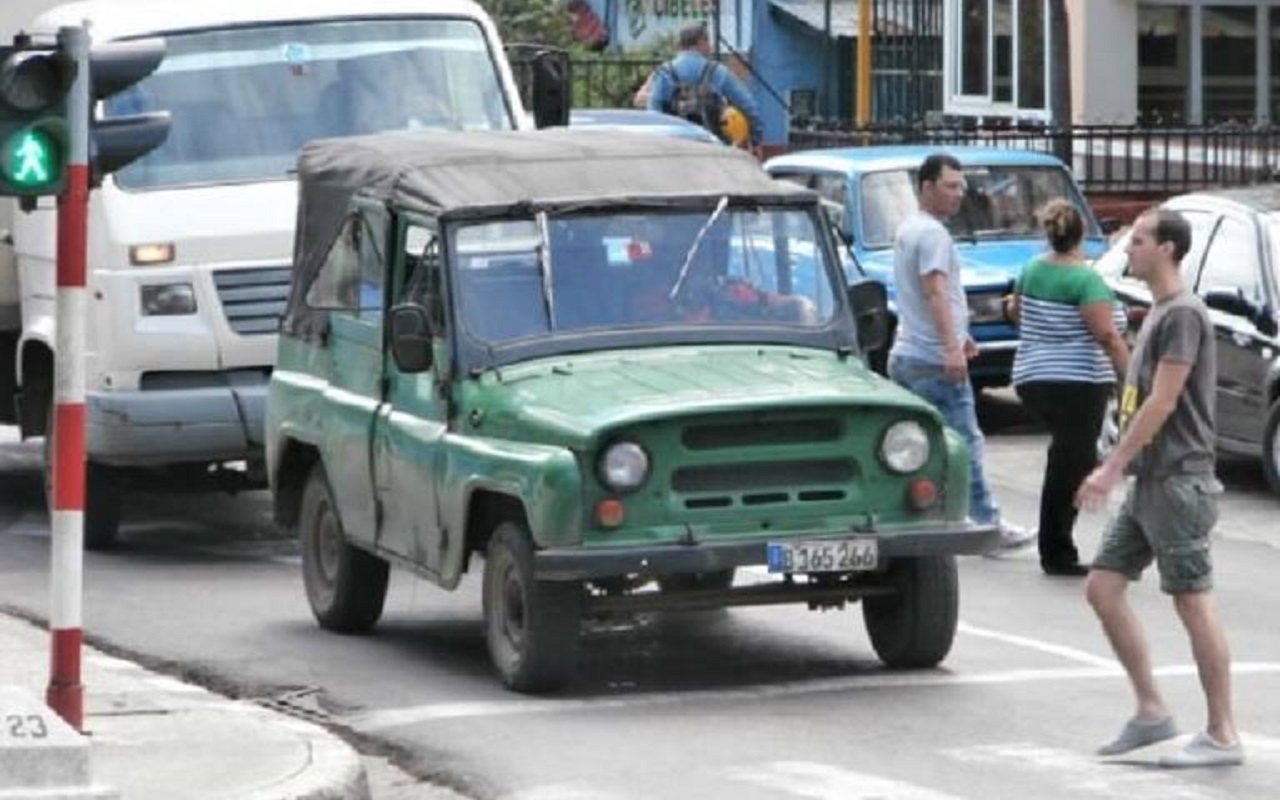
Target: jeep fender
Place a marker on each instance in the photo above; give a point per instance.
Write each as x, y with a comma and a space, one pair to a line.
543, 480
956, 496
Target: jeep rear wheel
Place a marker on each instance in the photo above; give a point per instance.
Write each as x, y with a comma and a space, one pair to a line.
1271, 448
914, 627
532, 627
346, 586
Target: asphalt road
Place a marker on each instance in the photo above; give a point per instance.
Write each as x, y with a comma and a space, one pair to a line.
749, 704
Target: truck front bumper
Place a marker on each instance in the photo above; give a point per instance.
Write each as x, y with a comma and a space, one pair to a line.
178, 425
570, 564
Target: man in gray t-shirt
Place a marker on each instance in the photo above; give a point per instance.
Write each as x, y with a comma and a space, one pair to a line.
1170, 506
932, 346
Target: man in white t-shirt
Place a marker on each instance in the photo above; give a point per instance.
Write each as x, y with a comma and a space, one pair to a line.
932, 347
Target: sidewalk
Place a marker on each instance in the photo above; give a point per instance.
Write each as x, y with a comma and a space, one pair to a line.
153, 737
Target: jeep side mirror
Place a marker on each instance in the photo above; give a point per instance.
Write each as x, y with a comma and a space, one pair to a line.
870, 303
550, 88
409, 329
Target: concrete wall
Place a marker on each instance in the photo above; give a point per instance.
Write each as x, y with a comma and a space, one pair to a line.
1104, 60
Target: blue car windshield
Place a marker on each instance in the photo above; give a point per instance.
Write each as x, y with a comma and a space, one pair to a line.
645, 270
1000, 202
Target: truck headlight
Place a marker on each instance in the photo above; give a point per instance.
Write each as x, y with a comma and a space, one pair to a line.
624, 466
905, 446
168, 300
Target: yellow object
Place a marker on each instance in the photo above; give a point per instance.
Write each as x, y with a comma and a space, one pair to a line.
734, 127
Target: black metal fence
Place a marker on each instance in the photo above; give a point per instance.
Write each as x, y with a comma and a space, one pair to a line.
597, 81
1106, 159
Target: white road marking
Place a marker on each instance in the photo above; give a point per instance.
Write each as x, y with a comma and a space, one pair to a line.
370, 721
1086, 774
562, 791
1069, 653
828, 782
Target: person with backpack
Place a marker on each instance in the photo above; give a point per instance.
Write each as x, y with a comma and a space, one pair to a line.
694, 87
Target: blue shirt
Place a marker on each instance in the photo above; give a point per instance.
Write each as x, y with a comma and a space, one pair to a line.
687, 66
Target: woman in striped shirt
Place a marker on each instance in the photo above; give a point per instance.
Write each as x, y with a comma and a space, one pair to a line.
1069, 355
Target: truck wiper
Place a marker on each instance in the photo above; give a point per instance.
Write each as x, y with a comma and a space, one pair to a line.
693, 248
543, 255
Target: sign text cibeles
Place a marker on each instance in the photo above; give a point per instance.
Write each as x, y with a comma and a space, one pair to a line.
642, 22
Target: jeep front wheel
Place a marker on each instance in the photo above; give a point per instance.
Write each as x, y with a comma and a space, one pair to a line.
346, 586
532, 626
914, 627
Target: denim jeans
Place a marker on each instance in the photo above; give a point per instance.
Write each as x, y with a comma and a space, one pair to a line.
956, 404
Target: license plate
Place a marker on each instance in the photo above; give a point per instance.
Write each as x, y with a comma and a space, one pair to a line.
856, 553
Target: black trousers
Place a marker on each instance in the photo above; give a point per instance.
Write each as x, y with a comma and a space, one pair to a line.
1073, 413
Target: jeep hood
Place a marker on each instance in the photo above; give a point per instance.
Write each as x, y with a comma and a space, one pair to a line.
572, 399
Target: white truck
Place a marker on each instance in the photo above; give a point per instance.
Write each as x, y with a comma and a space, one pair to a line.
189, 247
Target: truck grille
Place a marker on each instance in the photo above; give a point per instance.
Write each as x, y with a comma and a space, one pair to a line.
253, 299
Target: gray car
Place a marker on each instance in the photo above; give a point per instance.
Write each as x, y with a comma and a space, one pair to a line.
1234, 265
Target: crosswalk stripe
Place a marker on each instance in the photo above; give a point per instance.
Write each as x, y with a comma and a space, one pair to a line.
828, 782
1087, 775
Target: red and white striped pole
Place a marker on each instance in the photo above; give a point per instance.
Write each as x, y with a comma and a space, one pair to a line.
65, 694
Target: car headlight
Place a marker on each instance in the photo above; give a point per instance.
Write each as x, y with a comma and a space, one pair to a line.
624, 466
168, 300
987, 307
905, 446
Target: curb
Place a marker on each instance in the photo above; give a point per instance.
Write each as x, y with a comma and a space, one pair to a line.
334, 772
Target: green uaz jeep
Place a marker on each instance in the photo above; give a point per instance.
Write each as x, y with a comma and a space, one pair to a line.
612, 368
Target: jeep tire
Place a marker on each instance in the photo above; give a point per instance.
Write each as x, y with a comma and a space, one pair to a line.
533, 628
914, 627
346, 586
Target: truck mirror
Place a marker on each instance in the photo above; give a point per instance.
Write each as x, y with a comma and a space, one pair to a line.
870, 304
551, 88
411, 339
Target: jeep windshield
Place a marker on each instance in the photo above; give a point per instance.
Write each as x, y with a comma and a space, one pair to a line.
243, 100
648, 272
999, 203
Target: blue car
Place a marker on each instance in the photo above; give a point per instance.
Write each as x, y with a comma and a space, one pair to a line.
872, 189
632, 119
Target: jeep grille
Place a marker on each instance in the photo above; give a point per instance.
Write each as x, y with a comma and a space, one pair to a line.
253, 299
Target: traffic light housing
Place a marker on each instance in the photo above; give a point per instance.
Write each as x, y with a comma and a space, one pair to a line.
34, 138
115, 142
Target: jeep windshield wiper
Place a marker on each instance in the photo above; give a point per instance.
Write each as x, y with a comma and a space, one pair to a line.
542, 252
693, 248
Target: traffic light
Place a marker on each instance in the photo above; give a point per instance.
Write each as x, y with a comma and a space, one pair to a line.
117, 141
33, 118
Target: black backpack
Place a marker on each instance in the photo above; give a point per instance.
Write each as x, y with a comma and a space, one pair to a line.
698, 102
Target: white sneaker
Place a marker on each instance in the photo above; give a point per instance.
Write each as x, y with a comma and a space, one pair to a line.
1014, 537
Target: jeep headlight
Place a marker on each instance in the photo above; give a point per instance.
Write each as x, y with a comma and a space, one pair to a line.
624, 466
905, 446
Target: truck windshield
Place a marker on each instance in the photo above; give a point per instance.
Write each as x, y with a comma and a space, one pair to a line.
1000, 202
244, 100
642, 270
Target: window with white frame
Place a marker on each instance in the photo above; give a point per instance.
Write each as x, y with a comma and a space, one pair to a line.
997, 60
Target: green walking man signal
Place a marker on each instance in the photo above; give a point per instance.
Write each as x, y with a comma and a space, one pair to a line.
34, 80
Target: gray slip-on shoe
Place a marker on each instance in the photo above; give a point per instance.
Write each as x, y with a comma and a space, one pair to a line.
1203, 751
1139, 733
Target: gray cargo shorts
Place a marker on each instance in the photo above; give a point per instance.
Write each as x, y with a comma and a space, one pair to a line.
1167, 520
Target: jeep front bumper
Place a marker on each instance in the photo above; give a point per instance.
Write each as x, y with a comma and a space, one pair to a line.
572, 563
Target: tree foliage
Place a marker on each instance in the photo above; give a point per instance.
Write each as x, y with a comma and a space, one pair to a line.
545, 22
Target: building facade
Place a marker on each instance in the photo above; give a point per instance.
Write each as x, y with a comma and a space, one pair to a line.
1132, 61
